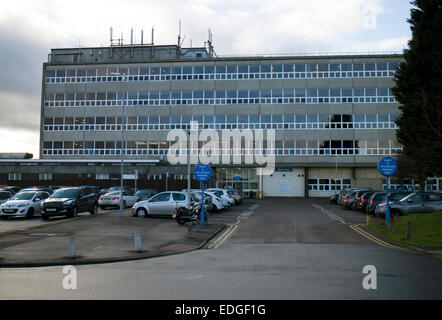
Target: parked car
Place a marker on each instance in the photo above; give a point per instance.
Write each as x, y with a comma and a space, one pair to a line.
374, 200
218, 195
5, 196
112, 199
394, 196
334, 198
350, 197
24, 203
224, 194
144, 194
208, 204
162, 204
11, 189
414, 203
235, 194
357, 199
69, 202
363, 200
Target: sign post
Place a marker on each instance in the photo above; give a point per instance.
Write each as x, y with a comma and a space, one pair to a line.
202, 172
387, 167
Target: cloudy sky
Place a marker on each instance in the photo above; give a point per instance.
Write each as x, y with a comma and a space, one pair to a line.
29, 29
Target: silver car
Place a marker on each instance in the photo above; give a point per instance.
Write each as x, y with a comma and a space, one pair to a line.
415, 203
161, 204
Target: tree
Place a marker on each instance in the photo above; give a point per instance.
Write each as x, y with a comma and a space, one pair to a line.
418, 84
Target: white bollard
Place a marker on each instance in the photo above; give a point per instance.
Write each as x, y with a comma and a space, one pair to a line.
72, 249
138, 246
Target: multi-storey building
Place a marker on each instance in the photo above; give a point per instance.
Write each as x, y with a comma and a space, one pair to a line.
333, 115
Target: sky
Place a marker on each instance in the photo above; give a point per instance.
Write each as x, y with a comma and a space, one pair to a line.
30, 29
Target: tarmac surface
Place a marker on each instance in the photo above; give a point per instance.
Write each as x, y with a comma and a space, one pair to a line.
101, 238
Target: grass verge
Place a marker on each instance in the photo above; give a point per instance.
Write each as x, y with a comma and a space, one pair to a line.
426, 230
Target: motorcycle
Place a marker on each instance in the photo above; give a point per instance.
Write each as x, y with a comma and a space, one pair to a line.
183, 214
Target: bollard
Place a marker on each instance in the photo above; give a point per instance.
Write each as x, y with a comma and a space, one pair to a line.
138, 246
72, 249
408, 231
368, 220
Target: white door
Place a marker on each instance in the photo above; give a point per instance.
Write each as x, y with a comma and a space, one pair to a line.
284, 183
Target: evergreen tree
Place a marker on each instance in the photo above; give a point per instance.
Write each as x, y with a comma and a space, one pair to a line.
418, 89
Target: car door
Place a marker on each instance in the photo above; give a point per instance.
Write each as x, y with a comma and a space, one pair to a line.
434, 202
39, 197
416, 204
178, 200
158, 204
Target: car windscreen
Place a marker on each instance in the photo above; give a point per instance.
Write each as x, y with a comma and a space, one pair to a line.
23, 196
65, 193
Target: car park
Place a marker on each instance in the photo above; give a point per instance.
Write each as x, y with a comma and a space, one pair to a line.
70, 202
112, 199
208, 203
162, 204
414, 203
23, 203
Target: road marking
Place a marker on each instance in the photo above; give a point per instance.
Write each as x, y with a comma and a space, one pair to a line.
330, 214
374, 239
223, 237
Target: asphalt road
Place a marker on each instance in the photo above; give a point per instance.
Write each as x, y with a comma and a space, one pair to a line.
280, 249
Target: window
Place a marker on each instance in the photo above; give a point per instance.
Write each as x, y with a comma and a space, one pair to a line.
14, 176
179, 197
163, 197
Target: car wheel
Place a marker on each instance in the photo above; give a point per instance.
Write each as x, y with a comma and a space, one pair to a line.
141, 212
395, 214
74, 213
30, 213
215, 208
94, 209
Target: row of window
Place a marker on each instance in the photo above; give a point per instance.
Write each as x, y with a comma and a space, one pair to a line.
222, 97
328, 184
229, 122
287, 147
224, 72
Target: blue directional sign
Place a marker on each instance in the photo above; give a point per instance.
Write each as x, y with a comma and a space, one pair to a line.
202, 172
387, 166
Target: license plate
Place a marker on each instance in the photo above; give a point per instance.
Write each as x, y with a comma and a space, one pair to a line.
8, 210
51, 209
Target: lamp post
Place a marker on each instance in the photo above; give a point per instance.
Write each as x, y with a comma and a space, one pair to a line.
122, 143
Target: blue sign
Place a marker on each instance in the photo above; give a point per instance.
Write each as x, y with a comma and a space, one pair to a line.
202, 172
387, 166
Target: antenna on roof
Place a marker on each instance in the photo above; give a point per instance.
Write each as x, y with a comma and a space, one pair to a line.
210, 45
180, 42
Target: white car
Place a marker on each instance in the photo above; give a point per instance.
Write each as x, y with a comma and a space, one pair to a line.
225, 204
25, 203
224, 194
112, 199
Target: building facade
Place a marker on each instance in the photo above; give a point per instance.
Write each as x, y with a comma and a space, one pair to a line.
333, 115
